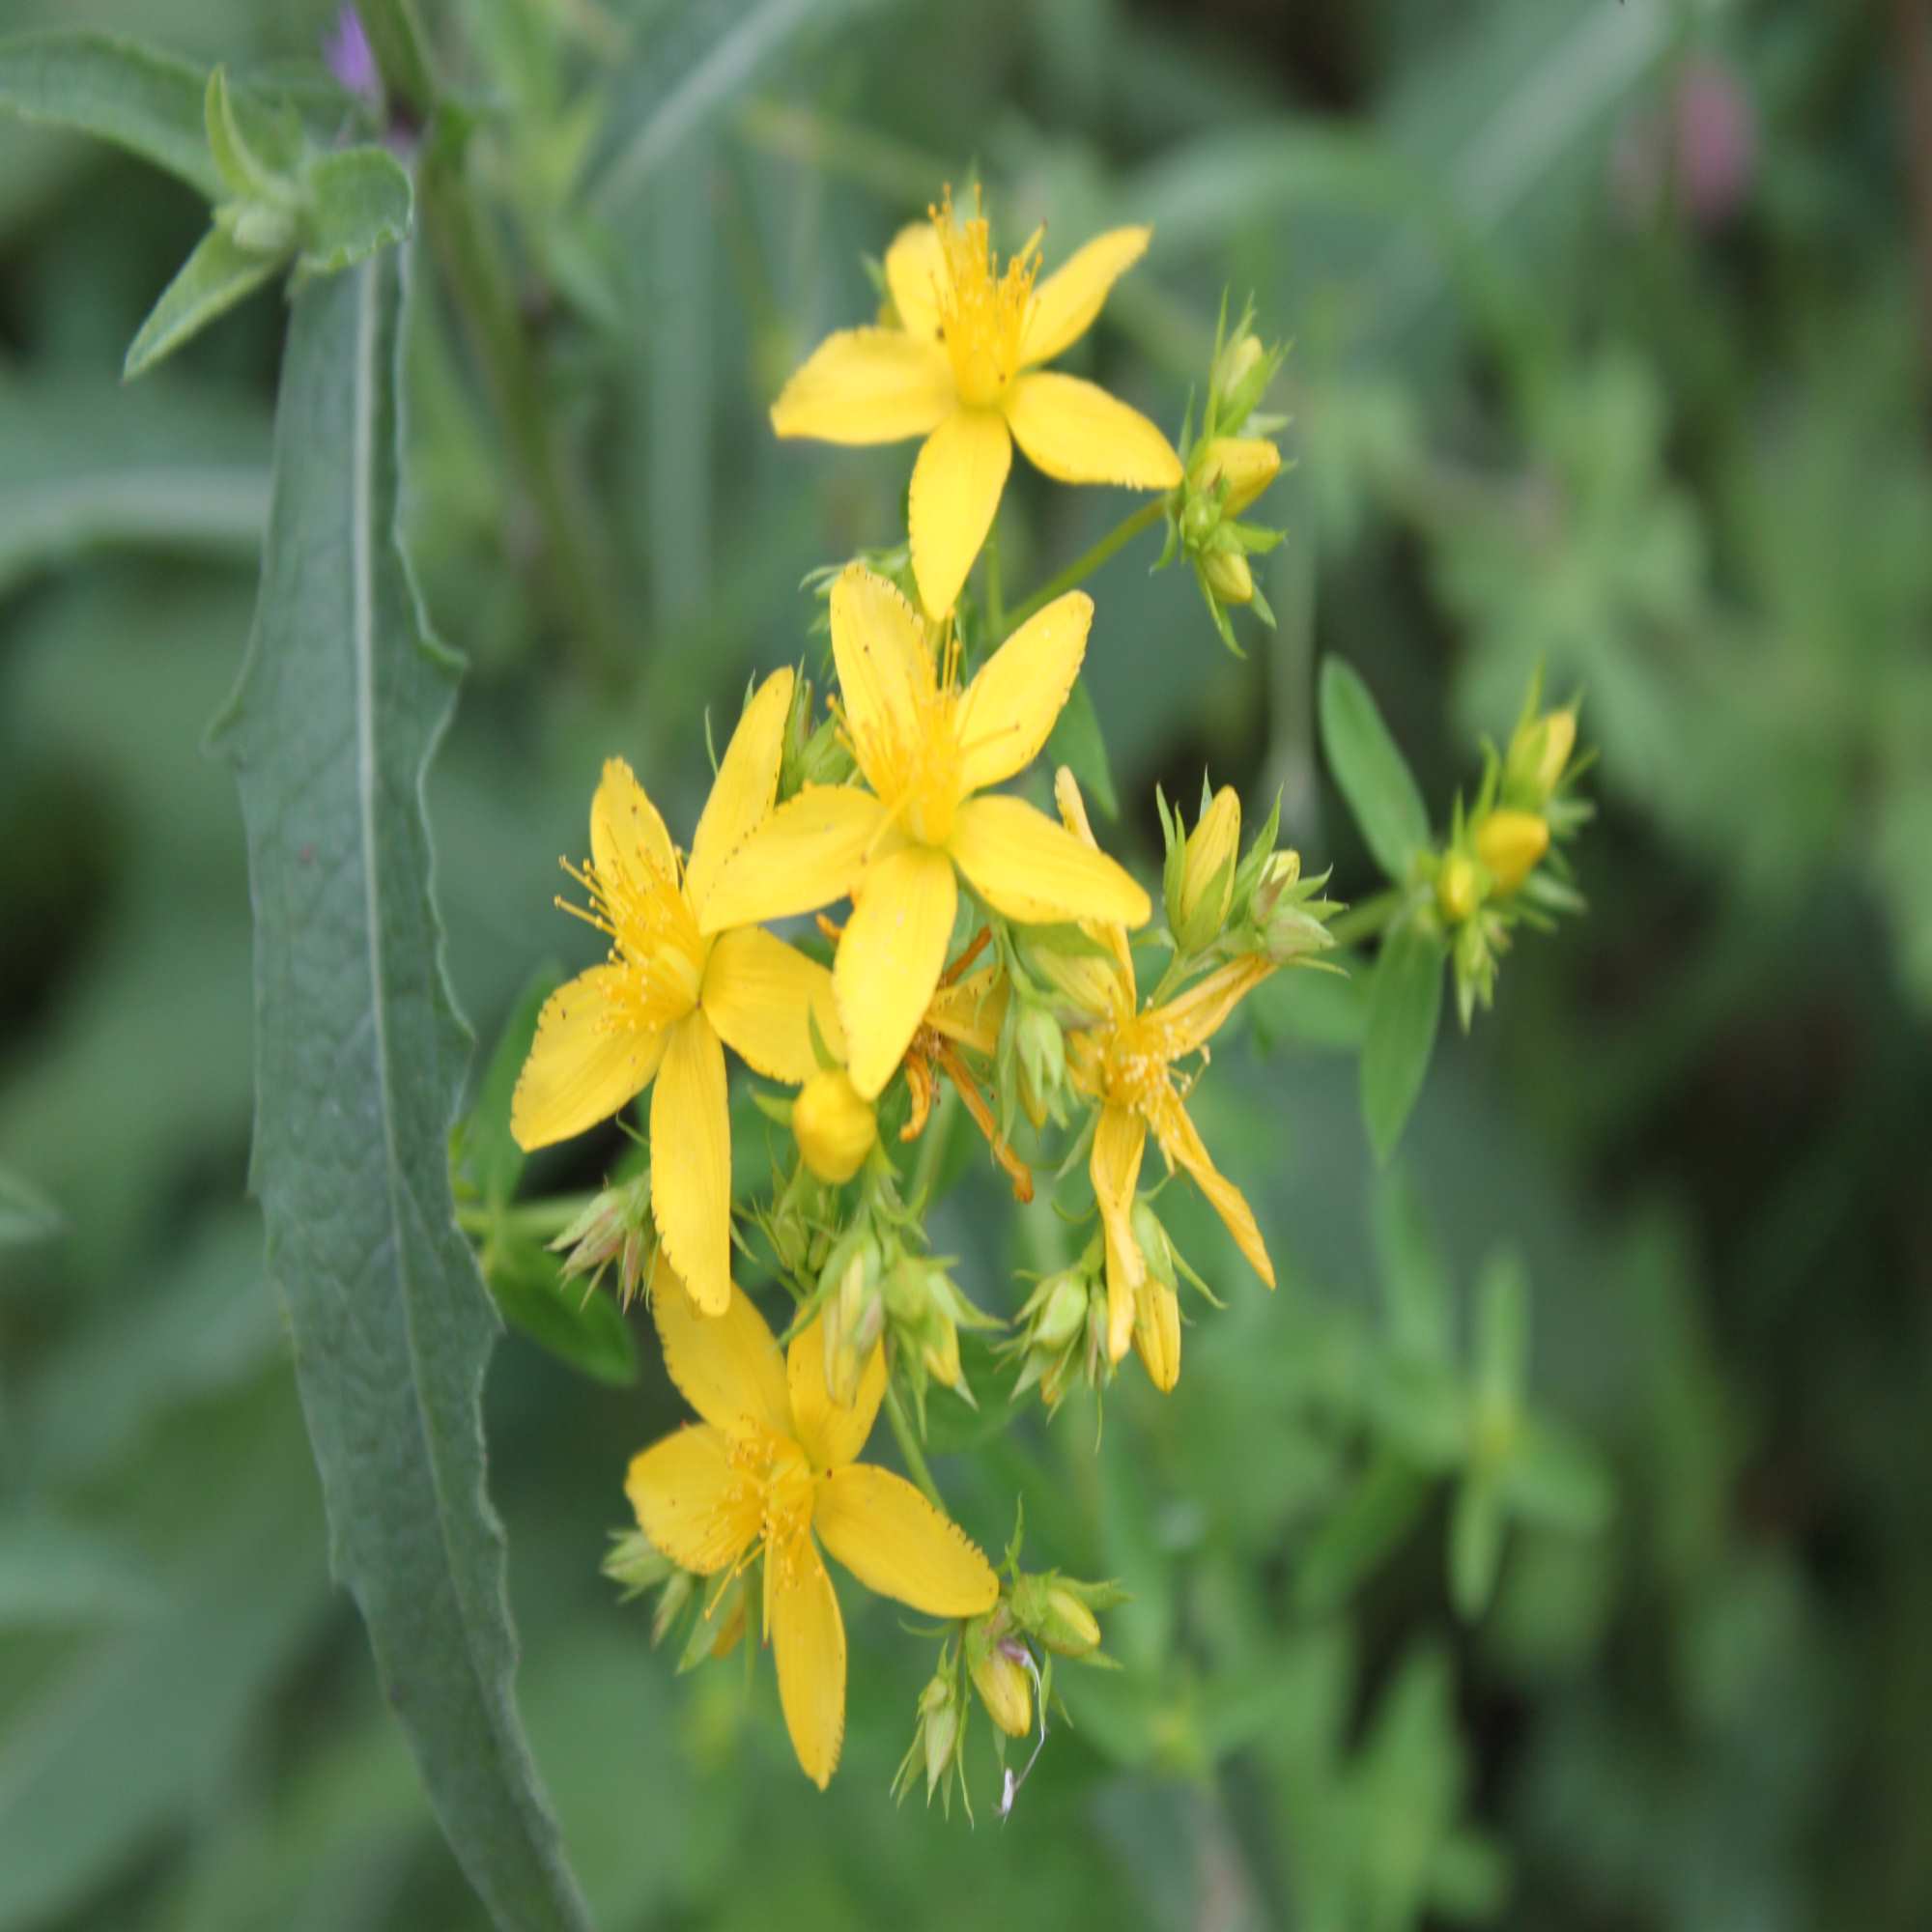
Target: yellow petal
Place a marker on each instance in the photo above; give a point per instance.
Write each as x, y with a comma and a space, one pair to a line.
1077, 433
896, 1543
914, 264
742, 793
727, 1367
1065, 303
1009, 710
867, 386
830, 1432
1115, 1167
809, 1640
1157, 1333
626, 829
585, 1062
890, 958
807, 853
955, 490
1192, 1020
972, 1010
758, 992
691, 1502
1182, 1142
879, 646
690, 1162
1032, 869
1073, 815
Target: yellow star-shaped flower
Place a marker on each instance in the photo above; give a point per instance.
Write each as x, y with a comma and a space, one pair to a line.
927, 751
1126, 1063
770, 1471
673, 991
962, 370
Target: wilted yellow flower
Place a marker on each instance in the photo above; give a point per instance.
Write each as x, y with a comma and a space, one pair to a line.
771, 1471
1126, 1064
1509, 843
833, 1124
961, 370
926, 749
672, 991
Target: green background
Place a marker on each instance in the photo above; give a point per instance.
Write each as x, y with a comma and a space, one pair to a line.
1610, 350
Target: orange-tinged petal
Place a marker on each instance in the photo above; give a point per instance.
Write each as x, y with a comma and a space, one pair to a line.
890, 958
1190, 1021
867, 386
955, 490
626, 829
761, 995
742, 792
690, 1162
1009, 710
915, 265
691, 1502
585, 1063
1025, 866
1077, 433
832, 1433
1182, 1142
727, 1367
1115, 1167
810, 852
896, 1543
809, 1640
1065, 303
972, 1010
879, 645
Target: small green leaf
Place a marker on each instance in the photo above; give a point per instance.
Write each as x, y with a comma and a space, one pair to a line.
219, 274
492, 1162
359, 200
1502, 1332
1405, 1004
116, 90
1370, 768
1475, 1546
584, 1329
26, 1214
1077, 744
243, 172
359, 1053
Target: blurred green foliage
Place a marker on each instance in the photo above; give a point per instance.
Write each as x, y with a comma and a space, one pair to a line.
1608, 355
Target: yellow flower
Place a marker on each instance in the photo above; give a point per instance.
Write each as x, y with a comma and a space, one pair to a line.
961, 371
927, 751
1126, 1064
770, 1470
672, 991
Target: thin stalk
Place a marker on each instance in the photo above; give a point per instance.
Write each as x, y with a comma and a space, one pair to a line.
914, 1455
1370, 917
1122, 535
539, 1218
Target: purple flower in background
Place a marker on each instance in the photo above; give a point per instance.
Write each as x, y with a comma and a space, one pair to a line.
350, 57
1702, 139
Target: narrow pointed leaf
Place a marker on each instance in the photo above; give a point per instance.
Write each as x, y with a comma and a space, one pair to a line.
1370, 768
358, 1056
217, 275
1405, 1005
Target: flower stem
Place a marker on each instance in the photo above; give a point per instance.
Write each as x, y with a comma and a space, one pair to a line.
915, 1455
532, 1217
1122, 533
1372, 917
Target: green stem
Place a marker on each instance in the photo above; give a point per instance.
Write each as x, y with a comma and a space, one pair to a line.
1372, 917
909, 1449
540, 1218
1076, 571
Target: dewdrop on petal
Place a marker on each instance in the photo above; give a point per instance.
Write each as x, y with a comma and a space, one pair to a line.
1509, 843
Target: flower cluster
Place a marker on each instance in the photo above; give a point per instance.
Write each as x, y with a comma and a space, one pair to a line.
953, 942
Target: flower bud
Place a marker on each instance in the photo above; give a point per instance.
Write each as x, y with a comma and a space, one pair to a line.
834, 1125
1157, 1330
1509, 843
1539, 751
1201, 891
1001, 1679
1156, 1249
1456, 893
1247, 464
678, 1590
939, 1729
1066, 1625
1063, 1311
1229, 577
635, 1563
614, 1227
1239, 377
1042, 1051
853, 1314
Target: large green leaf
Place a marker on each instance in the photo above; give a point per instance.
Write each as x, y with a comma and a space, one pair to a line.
1405, 1004
359, 1053
1370, 768
118, 90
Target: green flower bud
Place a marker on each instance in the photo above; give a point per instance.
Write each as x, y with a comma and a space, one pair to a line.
1002, 1684
1247, 464
1201, 889
1229, 577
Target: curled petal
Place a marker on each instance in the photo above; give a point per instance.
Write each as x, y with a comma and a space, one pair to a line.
1182, 1142
1114, 1166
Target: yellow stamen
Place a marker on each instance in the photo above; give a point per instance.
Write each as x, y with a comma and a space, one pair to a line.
654, 938
982, 311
